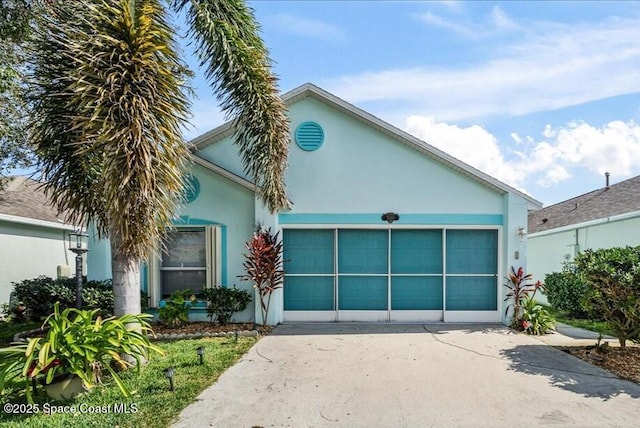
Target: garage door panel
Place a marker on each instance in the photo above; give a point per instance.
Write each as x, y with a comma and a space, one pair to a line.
363, 251
308, 251
416, 293
472, 251
470, 293
308, 293
416, 251
362, 293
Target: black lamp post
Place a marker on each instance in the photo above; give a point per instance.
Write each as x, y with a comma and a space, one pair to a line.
169, 374
79, 244
200, 351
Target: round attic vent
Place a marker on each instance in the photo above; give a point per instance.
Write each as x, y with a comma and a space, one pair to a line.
309, 136
191, 189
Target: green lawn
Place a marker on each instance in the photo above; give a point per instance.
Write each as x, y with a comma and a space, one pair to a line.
597, 326
8, 329
153, 404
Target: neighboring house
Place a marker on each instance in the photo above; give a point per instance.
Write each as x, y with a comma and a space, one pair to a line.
443, 258
604, 218
32, 236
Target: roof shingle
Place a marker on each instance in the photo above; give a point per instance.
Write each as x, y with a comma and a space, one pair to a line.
24, 197
620, 198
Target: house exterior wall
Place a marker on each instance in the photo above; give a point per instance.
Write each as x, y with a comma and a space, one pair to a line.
28, 251
361, 170
357, 174
515, 247
548, 250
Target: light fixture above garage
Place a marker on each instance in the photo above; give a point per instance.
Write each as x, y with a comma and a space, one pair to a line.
390, 217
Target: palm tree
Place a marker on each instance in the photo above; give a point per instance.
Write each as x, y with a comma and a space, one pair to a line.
110, 97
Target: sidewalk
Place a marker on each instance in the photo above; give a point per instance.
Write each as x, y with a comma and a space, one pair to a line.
566, 335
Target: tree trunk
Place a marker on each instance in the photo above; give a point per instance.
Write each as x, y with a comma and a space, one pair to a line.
126, 285
126, 288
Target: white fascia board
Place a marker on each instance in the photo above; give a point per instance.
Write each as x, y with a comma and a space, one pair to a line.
569, 227
223, 172
36, 222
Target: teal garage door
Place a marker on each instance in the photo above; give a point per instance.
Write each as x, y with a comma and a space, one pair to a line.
390, 274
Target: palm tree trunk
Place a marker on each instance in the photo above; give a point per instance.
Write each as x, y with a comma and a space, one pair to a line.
126, 284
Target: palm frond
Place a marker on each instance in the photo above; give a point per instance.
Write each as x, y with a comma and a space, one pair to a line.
238, 66
108, 131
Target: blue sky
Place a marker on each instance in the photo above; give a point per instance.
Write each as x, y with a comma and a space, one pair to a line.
542, 95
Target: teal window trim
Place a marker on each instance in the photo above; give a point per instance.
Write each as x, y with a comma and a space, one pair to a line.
408, 219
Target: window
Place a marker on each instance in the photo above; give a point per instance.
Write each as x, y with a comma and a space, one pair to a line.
184, 262
190, 260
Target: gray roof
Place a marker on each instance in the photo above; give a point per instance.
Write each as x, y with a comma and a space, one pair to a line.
620, 198
24, 197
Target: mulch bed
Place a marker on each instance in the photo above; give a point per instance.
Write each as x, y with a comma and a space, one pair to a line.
624, 363
207, 327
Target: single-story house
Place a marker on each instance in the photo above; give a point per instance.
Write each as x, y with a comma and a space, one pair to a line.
604, 218
383, 226
33, 236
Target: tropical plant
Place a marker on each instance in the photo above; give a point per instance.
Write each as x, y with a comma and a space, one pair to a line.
223, 302
613, 276
535, 319
175, 312
109, 102
263, 266
520, 289
81, 343
566, 291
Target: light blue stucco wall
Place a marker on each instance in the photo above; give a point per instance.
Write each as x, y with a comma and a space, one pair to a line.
28, 251
360, 170
515, 248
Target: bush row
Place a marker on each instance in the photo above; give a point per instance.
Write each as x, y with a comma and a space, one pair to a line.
39, 295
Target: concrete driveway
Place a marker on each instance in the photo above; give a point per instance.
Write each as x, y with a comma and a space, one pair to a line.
397, 375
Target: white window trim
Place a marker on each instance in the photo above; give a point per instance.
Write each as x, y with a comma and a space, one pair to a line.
213, 245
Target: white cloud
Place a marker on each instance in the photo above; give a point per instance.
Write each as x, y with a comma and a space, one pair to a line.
305, 27
495, 23
438, 21
615, 148
473, 145
501, 20
548, 66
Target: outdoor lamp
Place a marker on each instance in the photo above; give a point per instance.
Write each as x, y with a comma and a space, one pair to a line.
78, 244
390, 217
200, 351
169, 374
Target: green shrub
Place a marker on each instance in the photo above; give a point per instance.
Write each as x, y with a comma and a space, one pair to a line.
566, 291
175, 311
223, 302
613, 276
40, 294
535, 319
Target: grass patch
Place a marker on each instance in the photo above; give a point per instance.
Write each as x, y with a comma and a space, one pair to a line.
592, 325
8, 329
153, 405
